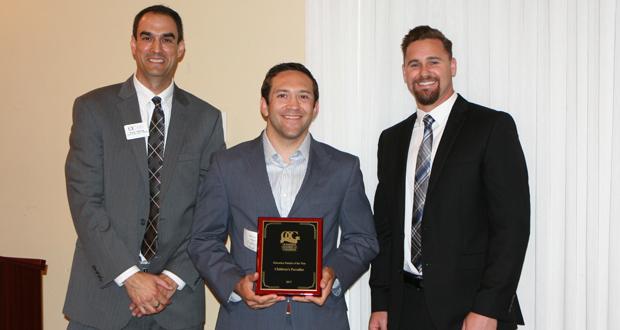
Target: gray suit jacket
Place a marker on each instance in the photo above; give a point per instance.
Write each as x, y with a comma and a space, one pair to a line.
237, 191
108, 192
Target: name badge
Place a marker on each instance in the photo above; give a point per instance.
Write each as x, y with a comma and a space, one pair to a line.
137, 130
250, 239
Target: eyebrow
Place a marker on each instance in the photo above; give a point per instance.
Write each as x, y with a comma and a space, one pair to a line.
415, 60
165, 35
302, 91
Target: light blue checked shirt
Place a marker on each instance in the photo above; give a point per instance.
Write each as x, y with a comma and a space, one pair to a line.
286, 179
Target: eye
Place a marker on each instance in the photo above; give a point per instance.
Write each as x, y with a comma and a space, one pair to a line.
168, 40
281, 95
414, 65
145, 38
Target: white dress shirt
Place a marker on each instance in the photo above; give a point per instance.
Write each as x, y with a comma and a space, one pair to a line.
440, 115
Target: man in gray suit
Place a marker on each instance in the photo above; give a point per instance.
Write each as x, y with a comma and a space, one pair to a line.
282, 173
138, 151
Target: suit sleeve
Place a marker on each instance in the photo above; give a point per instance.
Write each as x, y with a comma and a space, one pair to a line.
380, 270
180, 263
107, 254
207, 245
358, 240
506, 188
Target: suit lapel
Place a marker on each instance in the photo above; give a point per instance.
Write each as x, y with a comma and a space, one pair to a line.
130, 114
179, 118
453, 127
400, 154
258, 179
318, 162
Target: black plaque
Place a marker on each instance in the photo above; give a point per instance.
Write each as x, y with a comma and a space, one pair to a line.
289, 256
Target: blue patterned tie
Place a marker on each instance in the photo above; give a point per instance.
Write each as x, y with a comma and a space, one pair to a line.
422, 173
155, 162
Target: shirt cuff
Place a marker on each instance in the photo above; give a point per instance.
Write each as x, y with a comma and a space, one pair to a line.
234, 297
120, 279
180, 283
336, 288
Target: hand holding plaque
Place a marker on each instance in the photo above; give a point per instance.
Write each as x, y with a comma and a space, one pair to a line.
289, 256
327, 282
245, 289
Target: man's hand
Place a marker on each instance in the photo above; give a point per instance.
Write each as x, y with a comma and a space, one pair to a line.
245, 289
327, 280
378, 321
475, 321
171, 283
135, 311
146, 297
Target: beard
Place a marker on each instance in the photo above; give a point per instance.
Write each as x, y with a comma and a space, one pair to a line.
426, 97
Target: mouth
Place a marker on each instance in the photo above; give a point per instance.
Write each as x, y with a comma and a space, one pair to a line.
426, 83
155, 60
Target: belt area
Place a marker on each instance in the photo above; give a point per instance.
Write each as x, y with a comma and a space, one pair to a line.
414, 280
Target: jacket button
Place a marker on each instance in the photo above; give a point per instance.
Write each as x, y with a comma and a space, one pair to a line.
427, 265
142, 222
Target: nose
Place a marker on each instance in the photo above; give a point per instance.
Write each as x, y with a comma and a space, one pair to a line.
293, 102
424, 70
156, 45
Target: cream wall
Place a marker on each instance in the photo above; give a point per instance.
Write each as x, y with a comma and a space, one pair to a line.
55, 51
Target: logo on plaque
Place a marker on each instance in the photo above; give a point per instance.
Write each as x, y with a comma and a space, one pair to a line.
288, 240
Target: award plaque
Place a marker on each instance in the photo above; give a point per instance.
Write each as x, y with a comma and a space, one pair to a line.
289, 256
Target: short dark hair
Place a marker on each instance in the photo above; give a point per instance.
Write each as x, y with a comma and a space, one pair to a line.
162, 10
425, 32
266, 87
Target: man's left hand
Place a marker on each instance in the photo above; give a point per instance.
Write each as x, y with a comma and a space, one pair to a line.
165, 291
327, 281
474, 321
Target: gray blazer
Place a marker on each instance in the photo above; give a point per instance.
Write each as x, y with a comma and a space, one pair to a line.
237, 191
108, 192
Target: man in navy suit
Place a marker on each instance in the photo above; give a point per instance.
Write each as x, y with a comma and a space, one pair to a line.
452, 205
284, 172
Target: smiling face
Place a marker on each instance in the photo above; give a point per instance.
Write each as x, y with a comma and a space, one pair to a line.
428, 70
291, 108
156, 50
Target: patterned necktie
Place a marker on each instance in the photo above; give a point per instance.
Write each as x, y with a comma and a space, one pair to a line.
422, 173
156, 160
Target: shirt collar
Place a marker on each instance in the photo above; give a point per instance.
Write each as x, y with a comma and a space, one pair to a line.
440, 113
272, 156
145, 95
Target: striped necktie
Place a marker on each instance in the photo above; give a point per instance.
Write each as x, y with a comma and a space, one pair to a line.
422, 174
155, 162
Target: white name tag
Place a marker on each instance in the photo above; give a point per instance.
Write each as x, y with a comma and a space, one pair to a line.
250, 239
137, 130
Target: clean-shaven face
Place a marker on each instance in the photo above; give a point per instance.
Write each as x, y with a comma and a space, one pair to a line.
292, 107
156, 49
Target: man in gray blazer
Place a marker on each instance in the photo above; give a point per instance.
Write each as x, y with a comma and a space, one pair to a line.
138, 151
282, 173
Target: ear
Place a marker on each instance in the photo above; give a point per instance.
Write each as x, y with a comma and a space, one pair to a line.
453, 66
315, 110
132, 44
181, 50
264, 108
404, 73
